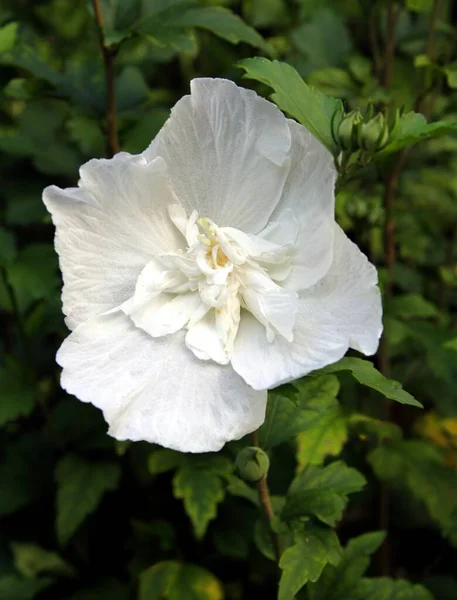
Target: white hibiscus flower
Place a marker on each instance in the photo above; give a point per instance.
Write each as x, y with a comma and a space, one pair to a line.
206, 270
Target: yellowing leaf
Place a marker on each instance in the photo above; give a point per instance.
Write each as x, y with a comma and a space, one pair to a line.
173, 580
326, 437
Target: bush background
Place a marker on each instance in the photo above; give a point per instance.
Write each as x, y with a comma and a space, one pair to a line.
83, 517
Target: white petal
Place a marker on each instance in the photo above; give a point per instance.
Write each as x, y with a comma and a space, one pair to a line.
164, 314
310, 192
155, 389
203, 340
275, 308
108, 229
226, 150
342, 310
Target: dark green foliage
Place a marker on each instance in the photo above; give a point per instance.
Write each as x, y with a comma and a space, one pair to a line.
83, 517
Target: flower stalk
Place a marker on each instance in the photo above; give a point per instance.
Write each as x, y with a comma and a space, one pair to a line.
265, 502
108, 55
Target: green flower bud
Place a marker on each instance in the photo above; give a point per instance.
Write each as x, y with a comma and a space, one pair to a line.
348, 130
252, 464
374, 135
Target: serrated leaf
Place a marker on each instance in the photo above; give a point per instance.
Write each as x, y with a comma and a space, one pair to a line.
32, 560
366, 374
237, 487
304, 561
325, 436
13, 587
383, 588
18, 396
163, 460
322, 492
337, 582
313, 109
413, 128
174, 20
287, 415
418, 467
199, 484
81, 486
223, 23
173, 580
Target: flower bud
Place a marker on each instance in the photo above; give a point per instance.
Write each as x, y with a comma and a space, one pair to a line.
348, 130
252, 464
374, 135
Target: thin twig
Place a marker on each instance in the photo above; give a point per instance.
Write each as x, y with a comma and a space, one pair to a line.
108, 61
265, 502
390, 44
390, 257
421, 104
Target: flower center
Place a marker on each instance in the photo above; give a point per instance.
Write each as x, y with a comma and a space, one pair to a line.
207, 285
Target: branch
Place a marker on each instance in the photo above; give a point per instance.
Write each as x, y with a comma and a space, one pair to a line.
108, 61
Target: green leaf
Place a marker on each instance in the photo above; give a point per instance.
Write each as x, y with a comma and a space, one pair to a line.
223, 23
338, 582
163, 460
322, 41
32, 560
18, 396
301, 410
383, 588
412, 128
131, 89
87, 133
147, 127
451, 75
83, 80
35, 272
199, 484
13, 587
81, 486
322, 492
313, 109
306, 558
420, 5
8, 36
365, 373
173, 580
216, 19
238, 487
7, 247
418, 467
411, 306
324, 436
